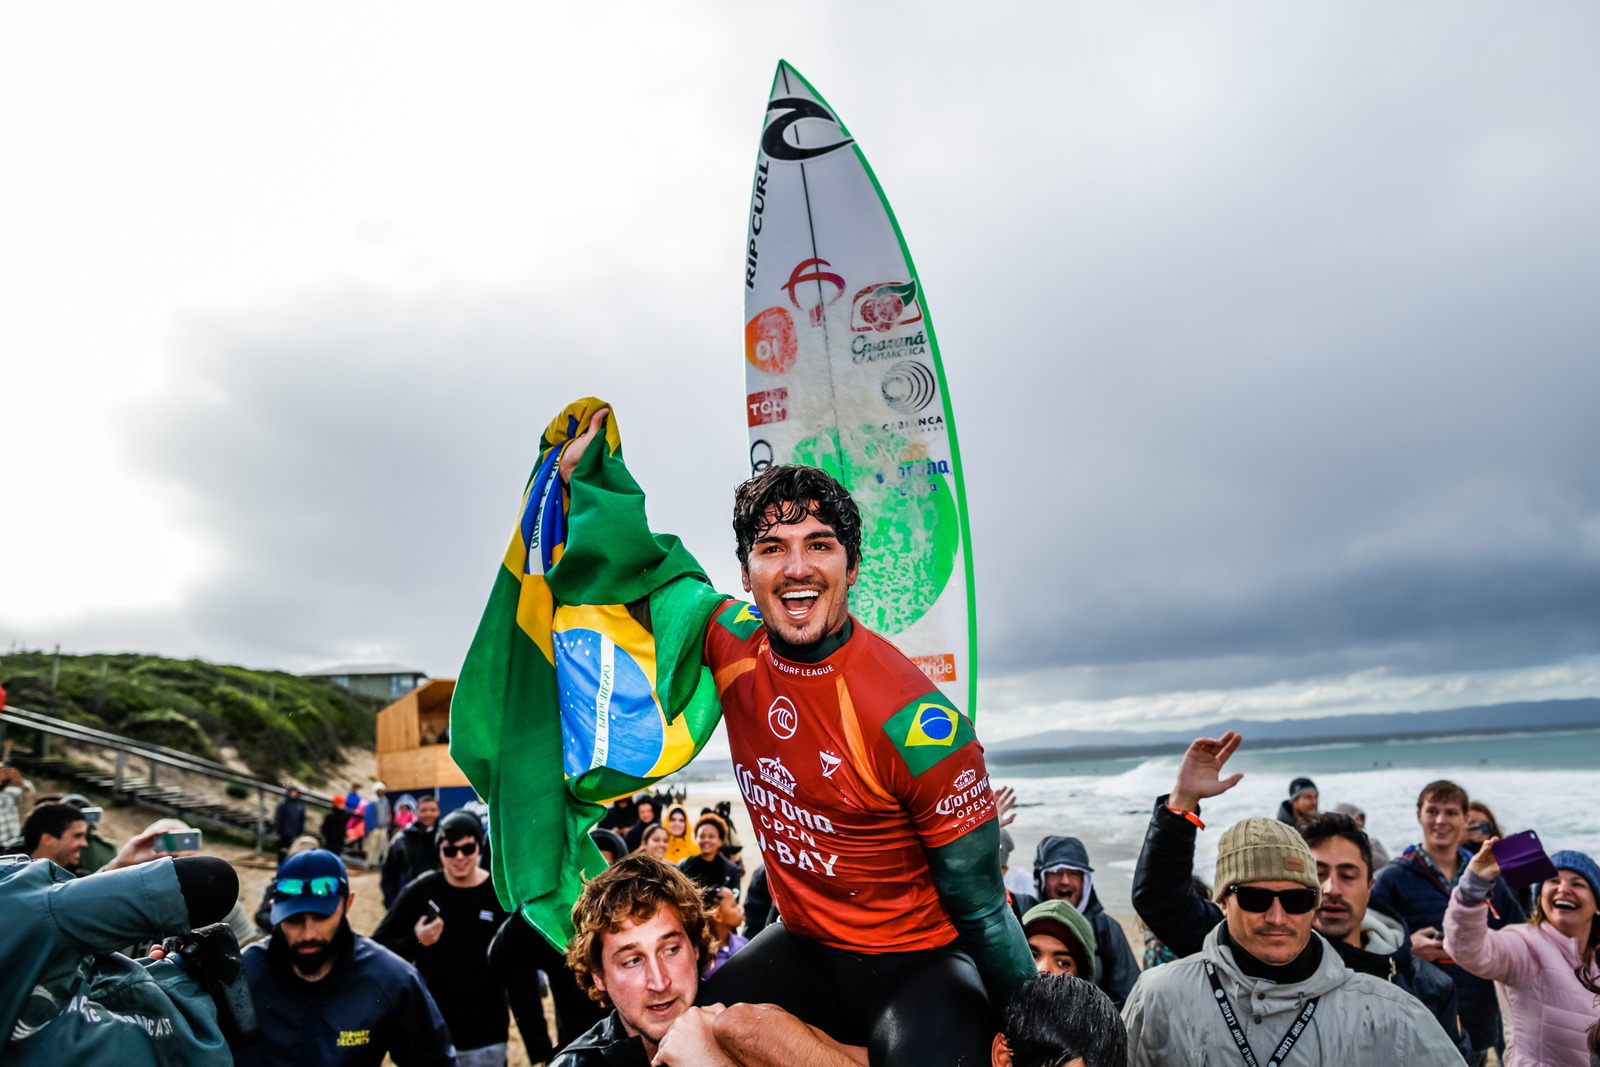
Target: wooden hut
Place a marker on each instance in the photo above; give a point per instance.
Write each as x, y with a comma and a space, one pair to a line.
414, 750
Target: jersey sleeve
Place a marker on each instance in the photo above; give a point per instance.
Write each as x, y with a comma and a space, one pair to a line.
934, 765
729, 648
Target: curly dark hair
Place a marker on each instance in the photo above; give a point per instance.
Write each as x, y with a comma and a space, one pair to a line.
787, 493
632, 889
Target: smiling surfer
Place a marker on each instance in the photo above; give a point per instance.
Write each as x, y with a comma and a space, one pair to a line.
895, 934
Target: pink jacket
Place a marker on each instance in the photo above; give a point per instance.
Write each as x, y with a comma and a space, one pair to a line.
1547, 1011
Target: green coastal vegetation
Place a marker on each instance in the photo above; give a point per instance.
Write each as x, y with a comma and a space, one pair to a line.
280, 724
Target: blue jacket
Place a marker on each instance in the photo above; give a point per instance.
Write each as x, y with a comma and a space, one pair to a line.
1414, 891
371, 1003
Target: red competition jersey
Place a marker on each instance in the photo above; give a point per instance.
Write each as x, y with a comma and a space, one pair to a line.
850, 768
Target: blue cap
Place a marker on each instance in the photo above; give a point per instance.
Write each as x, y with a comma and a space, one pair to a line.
1568, 859
308, 869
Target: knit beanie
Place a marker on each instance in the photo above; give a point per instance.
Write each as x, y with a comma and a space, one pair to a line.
1264, 850
1069, 926
1570, 860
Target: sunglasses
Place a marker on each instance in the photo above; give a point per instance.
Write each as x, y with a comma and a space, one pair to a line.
299, 887
450, 851
1255, 899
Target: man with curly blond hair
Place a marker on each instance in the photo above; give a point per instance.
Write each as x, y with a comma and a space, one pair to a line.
643, 936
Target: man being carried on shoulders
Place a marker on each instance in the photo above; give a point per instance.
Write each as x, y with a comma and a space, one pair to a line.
868, 791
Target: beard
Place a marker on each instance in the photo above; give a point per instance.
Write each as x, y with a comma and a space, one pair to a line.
308, 963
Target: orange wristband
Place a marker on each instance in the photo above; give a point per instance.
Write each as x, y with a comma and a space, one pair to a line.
1188, 815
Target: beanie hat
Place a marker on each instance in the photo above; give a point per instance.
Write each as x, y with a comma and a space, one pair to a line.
1570, 860
1264, 850
1301, 785
1068, 925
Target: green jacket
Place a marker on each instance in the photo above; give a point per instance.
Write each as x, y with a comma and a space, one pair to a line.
67, 996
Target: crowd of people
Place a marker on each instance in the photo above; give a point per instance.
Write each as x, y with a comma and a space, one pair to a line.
886, 922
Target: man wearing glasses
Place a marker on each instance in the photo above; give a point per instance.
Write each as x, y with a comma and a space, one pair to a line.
328, 997
1264, 983
443, 922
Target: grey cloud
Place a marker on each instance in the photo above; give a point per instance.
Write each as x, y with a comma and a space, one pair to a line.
1271, 338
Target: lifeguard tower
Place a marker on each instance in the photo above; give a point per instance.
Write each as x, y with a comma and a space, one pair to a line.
414, 747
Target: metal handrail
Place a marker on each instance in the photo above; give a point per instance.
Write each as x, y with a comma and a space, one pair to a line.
155, 754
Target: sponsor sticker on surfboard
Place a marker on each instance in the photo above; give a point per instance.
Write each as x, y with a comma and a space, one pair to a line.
842, 372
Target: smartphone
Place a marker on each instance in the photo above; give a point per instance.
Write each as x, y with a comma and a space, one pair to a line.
92, 815
433, 910
180, 841
1522, 860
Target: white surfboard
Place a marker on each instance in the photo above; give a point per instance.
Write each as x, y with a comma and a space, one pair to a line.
842, 372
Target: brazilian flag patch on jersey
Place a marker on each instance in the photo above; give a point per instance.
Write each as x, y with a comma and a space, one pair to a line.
927, 730
739, 619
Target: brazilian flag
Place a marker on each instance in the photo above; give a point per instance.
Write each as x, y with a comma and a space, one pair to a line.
584, 682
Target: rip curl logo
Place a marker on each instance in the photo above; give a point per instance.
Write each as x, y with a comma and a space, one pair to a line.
774, 773
792, 109
782, 718
800, 275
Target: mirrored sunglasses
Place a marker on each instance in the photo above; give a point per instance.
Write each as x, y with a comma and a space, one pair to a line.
301, 887
1253, 898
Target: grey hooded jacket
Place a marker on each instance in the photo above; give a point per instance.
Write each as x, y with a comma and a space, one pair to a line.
1174, 1021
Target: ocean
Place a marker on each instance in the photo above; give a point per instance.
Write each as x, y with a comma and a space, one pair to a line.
1548, 782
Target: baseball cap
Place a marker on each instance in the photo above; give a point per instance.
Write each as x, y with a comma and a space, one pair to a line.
311, 882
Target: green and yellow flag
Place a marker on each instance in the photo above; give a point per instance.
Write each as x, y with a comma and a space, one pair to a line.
584, 682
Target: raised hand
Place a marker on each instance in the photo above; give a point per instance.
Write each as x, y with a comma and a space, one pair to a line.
1484, 864
1005, 804
574, 452
1200, 773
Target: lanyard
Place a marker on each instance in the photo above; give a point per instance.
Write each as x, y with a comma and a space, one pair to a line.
1280, 1053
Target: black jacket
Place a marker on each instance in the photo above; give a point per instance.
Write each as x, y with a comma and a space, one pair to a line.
1116, 969
605, 1044
333, 830
289, 819
371, 1003
1418, 977
412, 854
1164, 897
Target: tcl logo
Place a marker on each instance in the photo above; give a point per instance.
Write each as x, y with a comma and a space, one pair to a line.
771, 405
782, 718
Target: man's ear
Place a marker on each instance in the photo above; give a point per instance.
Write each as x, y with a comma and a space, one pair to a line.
744, 576
1000, 1052
853, 572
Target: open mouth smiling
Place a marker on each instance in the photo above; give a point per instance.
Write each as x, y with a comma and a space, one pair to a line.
797, 603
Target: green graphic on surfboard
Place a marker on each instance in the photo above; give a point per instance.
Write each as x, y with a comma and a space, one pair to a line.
843, 372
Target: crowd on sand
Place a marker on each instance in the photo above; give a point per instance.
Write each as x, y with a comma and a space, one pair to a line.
1454, 947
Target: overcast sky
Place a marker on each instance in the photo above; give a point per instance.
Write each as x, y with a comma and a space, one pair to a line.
1271, 331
